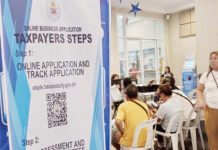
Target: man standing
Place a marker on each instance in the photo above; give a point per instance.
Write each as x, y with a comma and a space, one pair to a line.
133, 73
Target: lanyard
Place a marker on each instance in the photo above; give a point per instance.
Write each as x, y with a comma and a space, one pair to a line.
214, 79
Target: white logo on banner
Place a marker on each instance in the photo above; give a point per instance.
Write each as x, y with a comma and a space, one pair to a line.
53, 10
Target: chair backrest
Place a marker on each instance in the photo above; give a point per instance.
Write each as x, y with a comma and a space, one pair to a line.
192, 94
193, 122
177, 117
150, 132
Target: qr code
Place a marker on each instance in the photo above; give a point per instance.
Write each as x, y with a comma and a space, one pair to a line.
56, 109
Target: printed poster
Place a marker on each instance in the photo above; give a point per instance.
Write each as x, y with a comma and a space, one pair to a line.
54, 74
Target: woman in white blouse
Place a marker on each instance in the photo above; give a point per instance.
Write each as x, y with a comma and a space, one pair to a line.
207, 99
115, 92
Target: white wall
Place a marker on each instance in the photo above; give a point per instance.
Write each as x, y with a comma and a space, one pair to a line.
207, 28
178, 48
114, 62
143, 29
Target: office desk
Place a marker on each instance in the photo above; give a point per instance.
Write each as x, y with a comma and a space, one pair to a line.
149, 94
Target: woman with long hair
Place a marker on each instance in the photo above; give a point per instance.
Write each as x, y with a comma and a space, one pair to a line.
115, 90
168, 73
208, 84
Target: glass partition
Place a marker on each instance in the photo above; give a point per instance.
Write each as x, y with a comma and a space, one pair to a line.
149, 60
141, 41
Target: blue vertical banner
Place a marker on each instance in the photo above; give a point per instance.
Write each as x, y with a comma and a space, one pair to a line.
105, 23
4, 145
55, 57
4, 142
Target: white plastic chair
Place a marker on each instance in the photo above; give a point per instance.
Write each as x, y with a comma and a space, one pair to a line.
174, 136
192, 94
191, 125
150, 136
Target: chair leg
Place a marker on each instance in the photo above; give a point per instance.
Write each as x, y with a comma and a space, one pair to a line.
201, 136
175, 141
165, 141
114, 114
193, 137
152, 146
182, 141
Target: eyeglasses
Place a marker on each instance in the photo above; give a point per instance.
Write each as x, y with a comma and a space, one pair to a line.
213, 58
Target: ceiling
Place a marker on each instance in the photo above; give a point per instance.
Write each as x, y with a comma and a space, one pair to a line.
157, 6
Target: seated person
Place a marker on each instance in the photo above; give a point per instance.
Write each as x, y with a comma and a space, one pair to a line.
126, 82
115, 93
156, 95
171, 81
178, 94
166, 110
168, 73
161, 78
129, 115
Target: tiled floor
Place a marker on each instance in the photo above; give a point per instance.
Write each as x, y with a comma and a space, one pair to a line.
188, 144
